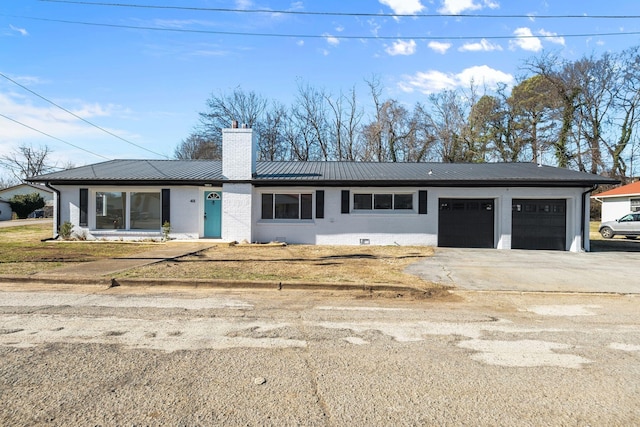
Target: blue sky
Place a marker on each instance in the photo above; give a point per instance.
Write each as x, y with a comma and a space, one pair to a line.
147, 86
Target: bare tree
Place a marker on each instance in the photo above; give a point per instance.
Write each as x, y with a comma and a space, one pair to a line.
26, 161
205, 141
197, 147
344, 123
310, 113
272, 144
447, 119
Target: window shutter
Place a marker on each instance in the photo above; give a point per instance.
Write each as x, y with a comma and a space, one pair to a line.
166, 205
319, 203
422, 202
345, 202
84, 207
267, 206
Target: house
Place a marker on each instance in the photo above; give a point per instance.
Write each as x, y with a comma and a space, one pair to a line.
5, 210
27, 188
619, 201
491, 205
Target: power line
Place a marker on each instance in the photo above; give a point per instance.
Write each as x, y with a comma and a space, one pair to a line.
80, 118
51, 136
322, 36
353, 14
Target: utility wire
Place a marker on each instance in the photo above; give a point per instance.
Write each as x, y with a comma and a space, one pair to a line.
353, 14
51, 136
80, 118
322, 36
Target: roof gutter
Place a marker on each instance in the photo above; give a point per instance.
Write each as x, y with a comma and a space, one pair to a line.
58, 210
583, 230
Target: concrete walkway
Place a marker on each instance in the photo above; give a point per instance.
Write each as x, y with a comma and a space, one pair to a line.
532, 271
105, 267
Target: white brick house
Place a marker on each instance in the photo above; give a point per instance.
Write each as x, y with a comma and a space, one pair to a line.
491, 205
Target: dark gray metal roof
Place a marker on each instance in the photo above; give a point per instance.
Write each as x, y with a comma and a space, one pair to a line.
140, 171
196, 172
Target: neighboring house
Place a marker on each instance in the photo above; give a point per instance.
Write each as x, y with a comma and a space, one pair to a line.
619, 201
489, 205
26, 188
5, 210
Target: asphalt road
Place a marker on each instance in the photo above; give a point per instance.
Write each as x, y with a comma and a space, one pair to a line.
89, 356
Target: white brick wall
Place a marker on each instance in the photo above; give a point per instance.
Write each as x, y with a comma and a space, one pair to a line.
236, 212
238, 154
389, 228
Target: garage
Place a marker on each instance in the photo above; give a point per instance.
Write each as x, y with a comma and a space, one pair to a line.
539, 224
466, 223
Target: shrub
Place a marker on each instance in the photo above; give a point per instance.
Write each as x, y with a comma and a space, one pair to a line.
166, 229
23, 204
65, 230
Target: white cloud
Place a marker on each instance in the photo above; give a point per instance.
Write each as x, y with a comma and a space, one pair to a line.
455, 7
332, 40
300, 43
482, 46
526, 40
433, 81
484, 75
552, 37
402, 47
439, 47
22, 31
53, 121
244, 4
404, 7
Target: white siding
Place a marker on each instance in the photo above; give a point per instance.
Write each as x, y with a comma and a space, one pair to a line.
5, 210
615, 207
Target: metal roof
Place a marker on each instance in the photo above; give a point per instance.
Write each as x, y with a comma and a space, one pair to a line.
632, 189
197, 172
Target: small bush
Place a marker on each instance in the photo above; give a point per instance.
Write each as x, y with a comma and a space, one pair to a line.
166, 229
65, 230
23, 204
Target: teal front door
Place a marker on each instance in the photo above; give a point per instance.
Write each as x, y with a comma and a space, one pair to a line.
213, 214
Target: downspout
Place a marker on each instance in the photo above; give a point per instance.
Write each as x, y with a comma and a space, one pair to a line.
58, 210
583, 231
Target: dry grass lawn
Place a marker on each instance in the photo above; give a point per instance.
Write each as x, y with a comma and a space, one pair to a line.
22, 251
295, 263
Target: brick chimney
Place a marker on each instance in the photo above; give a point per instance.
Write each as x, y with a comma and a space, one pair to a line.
239, 147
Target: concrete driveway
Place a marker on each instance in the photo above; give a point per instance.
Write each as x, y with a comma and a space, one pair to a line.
532, 271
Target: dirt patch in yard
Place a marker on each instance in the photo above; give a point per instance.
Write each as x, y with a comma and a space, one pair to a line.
295, 263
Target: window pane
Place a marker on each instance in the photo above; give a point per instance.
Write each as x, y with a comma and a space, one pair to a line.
267, 206
382, 201
110, 210
305, 206
145, 211
362, 202
287, 206
403, 201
